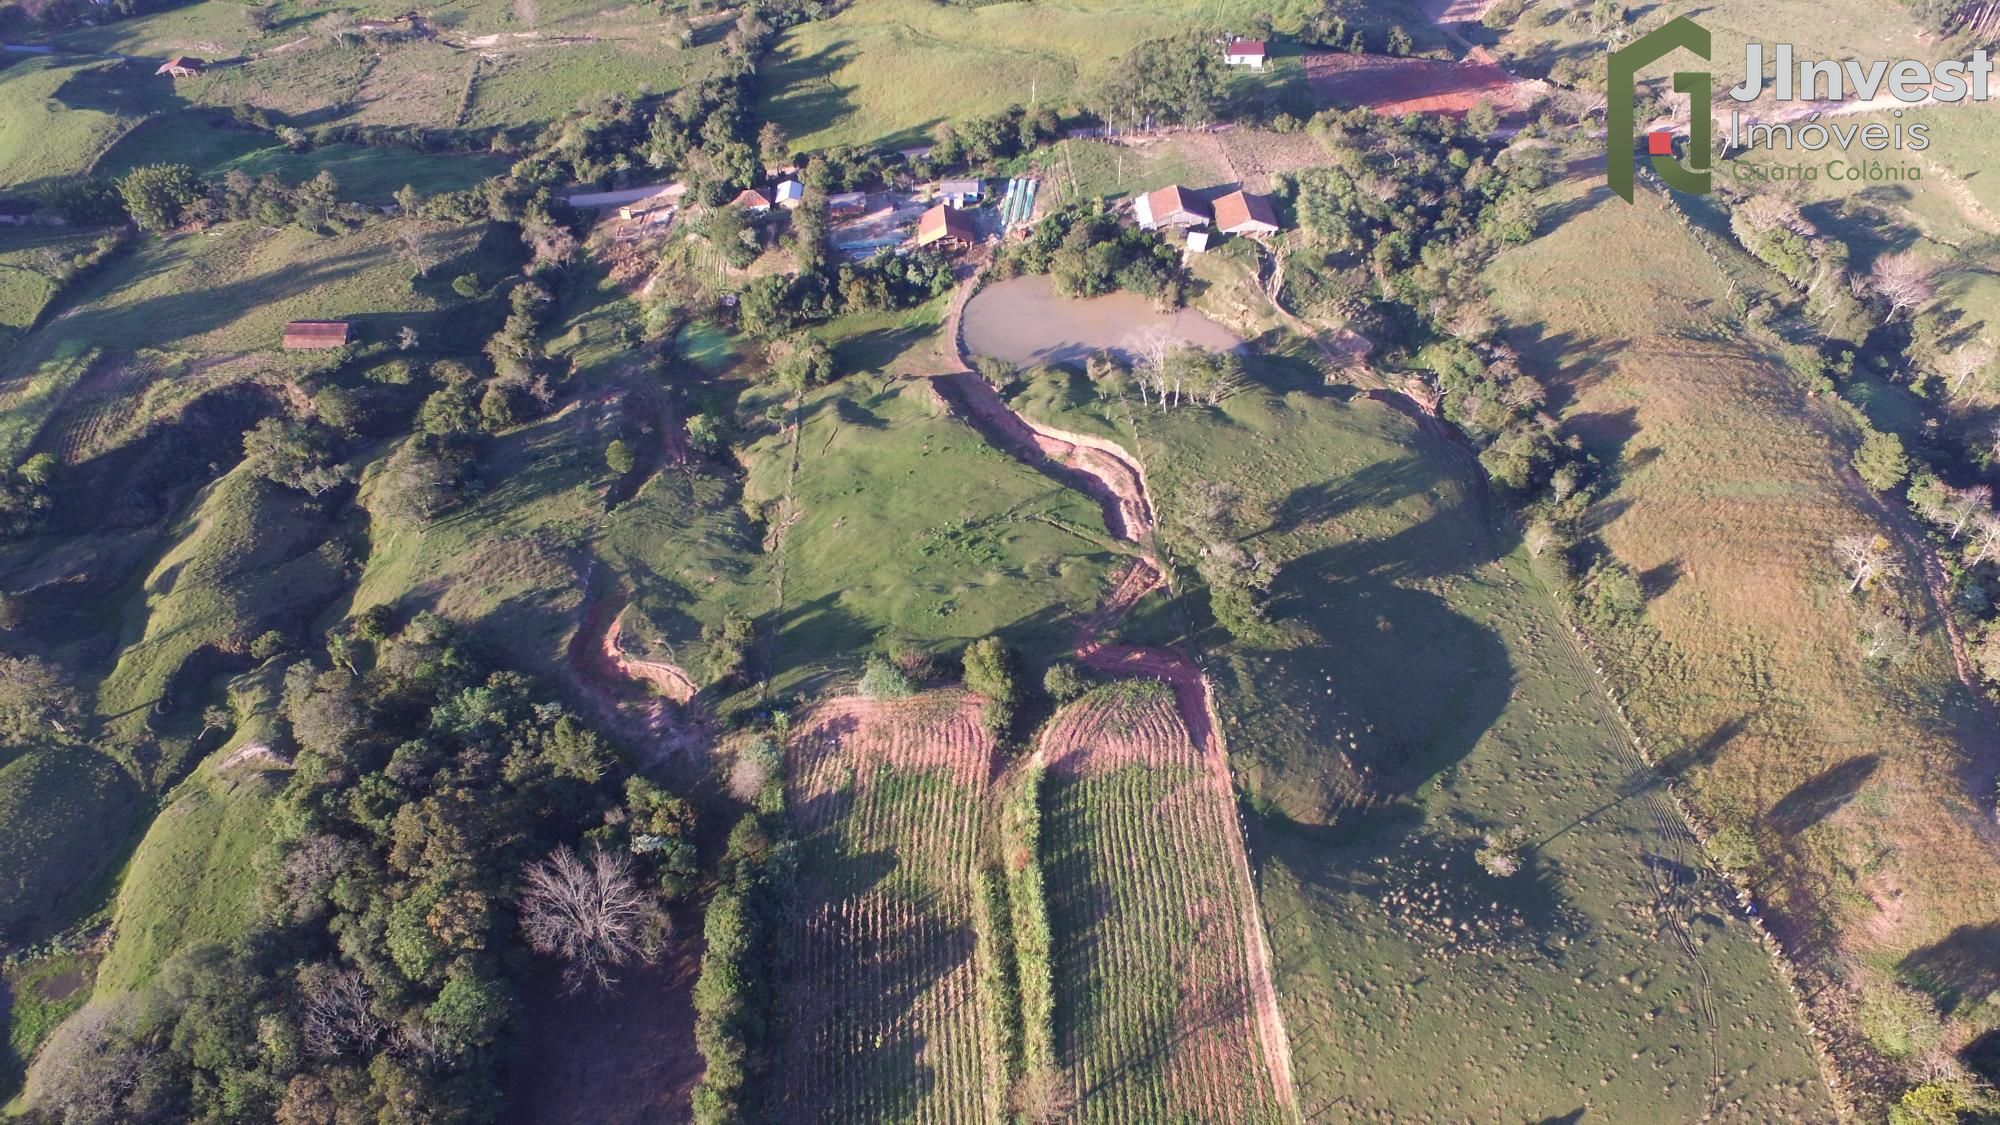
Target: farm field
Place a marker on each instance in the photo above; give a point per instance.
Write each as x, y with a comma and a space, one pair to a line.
884, 72
883, 1018
1846, 781
1547, 33
366, 175
1153, 1012
1444, 704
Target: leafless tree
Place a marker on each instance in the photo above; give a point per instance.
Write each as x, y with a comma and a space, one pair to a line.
308, 870
1540, 538
1963, 505
412, 239
593, 914
1886, 636
1903, 280
89, 1067
1984, 546
406, 337
1960, 367
1866, 559
334, 1016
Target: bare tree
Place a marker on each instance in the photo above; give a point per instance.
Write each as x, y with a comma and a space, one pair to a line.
1903, 280
593, 914
1963, 505
411, 238
1984, 545
89, 1067
1866, 559
1886, 636
334, 1015
1960, 367
1540, 538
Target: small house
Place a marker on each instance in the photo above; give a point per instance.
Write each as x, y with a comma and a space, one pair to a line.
945, 224
752, 200
847, 202
962, 193
1245, 52
1239, 212
315, 335
1171, 206
180, 66
791, 193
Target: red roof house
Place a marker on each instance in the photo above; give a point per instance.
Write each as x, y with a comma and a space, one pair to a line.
1245, 52
1239, 212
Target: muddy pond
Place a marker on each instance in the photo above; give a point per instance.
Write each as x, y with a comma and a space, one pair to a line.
1022, 321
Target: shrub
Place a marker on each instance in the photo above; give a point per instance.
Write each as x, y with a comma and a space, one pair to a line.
1063, 682
881, 679
466, 285
618, 457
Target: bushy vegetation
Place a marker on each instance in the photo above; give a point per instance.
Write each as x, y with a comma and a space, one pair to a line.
1397, 230
379, 975
1087, 253
732, 999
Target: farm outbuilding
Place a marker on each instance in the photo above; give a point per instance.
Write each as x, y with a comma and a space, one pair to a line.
791, 193
1239, 212
1245, 52
847, 202
752, 200
945, 224
315, 335
180, 66
962, 193
1171, 206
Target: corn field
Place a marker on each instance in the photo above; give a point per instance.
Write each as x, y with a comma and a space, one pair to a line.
1153, 1013
882, 1018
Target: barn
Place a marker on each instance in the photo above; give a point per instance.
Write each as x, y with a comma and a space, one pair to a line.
315, 335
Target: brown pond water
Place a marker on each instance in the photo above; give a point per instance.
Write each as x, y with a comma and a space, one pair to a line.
1022, 321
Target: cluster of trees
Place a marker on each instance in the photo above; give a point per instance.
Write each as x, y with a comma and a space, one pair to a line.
993, 672
27, 494
1086, 252
1210, 521
1395, 232
823, 287
981, 140
732, 997
441, 820
1177, 81
163, 197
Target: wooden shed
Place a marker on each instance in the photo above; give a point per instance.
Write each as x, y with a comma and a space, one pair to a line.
315, 335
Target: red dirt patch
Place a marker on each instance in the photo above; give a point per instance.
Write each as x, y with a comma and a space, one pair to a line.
1395, 86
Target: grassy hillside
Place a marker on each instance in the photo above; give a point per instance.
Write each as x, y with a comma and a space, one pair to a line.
64, 818
191, 879
56, 115
883, 72
1849, 778
1443, 702
901, 521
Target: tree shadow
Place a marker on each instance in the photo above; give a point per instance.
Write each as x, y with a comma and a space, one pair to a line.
1964, 968
1695, 755
1821, 795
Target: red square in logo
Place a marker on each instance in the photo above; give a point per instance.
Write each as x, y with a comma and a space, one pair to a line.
1660, 143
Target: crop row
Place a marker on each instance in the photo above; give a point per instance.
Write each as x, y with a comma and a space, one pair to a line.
1154, 1016
883, 1019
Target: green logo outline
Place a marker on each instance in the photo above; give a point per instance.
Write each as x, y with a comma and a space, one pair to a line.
1679, 33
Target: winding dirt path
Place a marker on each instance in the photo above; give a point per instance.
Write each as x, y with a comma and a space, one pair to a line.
645, 699
1102, 469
